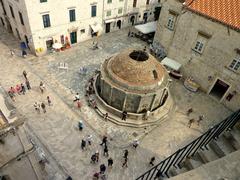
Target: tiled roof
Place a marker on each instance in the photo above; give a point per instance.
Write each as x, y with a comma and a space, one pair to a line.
224, 11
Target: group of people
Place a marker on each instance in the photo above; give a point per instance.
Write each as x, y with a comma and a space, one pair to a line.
192, 120
21, 88
41, 105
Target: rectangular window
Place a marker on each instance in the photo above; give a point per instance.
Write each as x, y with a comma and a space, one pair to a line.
235, 64
21, 18
109, 1
200, 43
72, 15
82, 31
19, 37
171, 21
46, 20
120, 10
147, 2
134, 3
94, 11
12, 13
41, 1
109, 13
2, 21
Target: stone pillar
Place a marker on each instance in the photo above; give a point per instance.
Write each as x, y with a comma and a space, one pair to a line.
153, 101
124, 102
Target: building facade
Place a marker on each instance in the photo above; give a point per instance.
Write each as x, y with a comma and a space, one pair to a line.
41, 23
206, 43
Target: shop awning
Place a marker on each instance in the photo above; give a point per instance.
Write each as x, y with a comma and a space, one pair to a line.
96, 27
171, 63
147, 28
109, 21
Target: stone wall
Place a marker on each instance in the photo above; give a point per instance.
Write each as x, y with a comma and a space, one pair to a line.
218, 53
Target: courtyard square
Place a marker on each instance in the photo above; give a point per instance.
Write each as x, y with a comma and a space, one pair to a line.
57, 129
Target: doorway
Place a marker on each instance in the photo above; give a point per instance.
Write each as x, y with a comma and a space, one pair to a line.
49, 43
132, 19
157, 13
108, 26
219, 89
73, 37
119, 24
145, 16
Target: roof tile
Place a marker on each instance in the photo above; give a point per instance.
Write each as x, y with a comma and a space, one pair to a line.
225, 11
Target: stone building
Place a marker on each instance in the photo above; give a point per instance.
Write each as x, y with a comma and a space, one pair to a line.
133, 81
204, 36
41, 23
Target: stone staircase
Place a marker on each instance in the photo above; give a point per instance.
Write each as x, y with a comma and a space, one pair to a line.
226, 144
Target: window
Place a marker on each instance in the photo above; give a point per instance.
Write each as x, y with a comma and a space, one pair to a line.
171, 21
46, 20
18, 34
120, 11
94, 11
82, 31
235, 64
2, 21
134, 3
200, 43
41, 1
109, 13
12, 13
109, 1
147, 2
72, 15
21, 18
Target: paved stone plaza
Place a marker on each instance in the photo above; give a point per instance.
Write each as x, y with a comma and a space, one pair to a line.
57, 129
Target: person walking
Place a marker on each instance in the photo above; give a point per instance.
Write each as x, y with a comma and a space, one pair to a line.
110, 162
135, 143
43, 106
12, 52
49, 101
97, 156
23, 90
105, 151
104, 141
80, 125
105, 116
124, 115
79, 104
27, 83
93, 159
200, 118
190, 122
25, 74
89, 139
125, 156
125, 163
189, 111
18, 89
102, 168
41, 87
83, 144
152, 161
36, 107
77, 97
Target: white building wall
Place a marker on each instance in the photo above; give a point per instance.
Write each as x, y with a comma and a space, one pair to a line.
58, 11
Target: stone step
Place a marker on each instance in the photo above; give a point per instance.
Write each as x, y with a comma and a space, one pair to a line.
235, 132
221, 146
193, 162
176, 171
207, 155
232, 140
